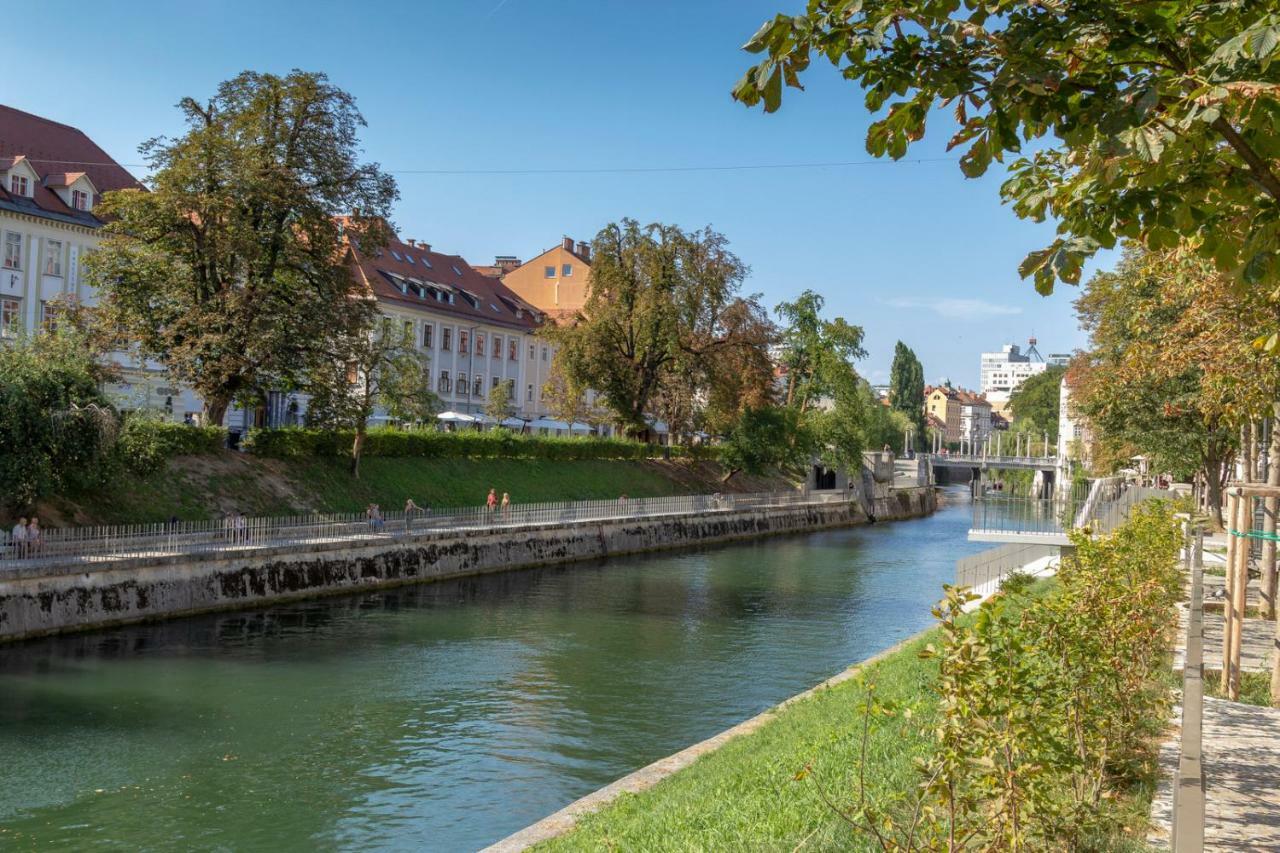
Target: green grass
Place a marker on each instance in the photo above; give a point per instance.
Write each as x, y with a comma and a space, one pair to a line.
203, 487
1255, 687
766, 791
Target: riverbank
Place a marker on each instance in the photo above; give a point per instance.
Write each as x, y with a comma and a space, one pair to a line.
801, 774
196, 488
100, 592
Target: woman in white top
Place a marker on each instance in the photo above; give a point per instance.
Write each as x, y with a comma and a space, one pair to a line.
34, 538
19, 536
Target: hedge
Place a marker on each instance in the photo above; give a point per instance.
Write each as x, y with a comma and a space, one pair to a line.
304, 442
144, 442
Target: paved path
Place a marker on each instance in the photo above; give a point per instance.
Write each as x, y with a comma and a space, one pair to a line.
1241, 762
1255, 653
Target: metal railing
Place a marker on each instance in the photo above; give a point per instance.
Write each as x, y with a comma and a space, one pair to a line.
97, 546
984, 571
1106, 503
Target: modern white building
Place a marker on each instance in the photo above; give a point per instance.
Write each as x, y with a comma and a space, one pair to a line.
1004, 372
52, 176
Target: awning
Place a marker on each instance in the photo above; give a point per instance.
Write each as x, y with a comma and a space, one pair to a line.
457, 417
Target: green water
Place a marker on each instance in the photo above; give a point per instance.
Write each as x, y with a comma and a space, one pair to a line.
438, 717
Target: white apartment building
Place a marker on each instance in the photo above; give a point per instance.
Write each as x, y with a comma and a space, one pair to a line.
51, 178
1004, 372
475, 331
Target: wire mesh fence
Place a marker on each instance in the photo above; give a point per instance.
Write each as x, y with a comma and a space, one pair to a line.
984, 571
92, 545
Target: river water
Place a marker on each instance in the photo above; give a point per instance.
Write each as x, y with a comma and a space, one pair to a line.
443, 716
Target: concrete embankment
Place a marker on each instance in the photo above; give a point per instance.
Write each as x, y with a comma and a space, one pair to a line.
141, 589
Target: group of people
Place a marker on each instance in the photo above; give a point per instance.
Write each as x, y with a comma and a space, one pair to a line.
491, 503
27, 538
235, 526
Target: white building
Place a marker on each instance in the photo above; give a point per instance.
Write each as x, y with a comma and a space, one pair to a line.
51, 178
1004, 372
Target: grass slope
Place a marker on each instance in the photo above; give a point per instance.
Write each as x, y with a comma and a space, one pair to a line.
201, 487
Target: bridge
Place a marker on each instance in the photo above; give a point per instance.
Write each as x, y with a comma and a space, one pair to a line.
982, 461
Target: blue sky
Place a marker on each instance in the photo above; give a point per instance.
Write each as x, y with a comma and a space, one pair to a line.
910, 251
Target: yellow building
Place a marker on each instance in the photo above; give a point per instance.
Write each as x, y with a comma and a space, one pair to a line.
944, 405
555, 282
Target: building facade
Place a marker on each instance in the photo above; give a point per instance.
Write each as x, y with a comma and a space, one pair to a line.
975, 417
556, 282
1004, 372
48, 227
475, 332
942, 405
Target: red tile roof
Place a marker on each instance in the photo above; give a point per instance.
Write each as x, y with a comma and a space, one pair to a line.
58, 150
496, 303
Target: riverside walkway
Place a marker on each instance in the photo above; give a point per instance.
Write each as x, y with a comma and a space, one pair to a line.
1222, 765
93, 548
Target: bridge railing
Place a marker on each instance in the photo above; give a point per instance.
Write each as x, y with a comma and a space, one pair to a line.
1100, 506
995, 461
92, 546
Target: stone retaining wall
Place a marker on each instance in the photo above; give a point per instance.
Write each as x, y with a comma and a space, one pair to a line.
154, 588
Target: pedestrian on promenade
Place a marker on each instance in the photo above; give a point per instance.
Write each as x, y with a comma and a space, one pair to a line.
491, 502
35, 539
375, 518
229, 526
19, 537
506, 503
410, 510
241, 528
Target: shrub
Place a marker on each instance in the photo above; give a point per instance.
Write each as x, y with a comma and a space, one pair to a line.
306, 442
145, 442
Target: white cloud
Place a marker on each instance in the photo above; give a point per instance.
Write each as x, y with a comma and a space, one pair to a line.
957, 309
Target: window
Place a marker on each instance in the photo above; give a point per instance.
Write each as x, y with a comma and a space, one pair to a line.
446, 338
511, 389
80, 199
529, 393
513, 349
12, 251
426, 262
396, 255
18, 185
48, 315
495, 381
464, 339
456, 271
10, 310
544, 353
463, 387
479, 343
549, 272
53, 257
533, 352
409, 258
477, 386
427, 329
497, 346
443, 385
566, 270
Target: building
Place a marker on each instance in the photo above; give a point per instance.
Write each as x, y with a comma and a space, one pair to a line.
556, 282
1004, 372
52, 177
475, 331
942, 408
975, 417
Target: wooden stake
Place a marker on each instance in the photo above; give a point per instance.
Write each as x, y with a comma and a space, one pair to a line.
1228, 586
1244, 511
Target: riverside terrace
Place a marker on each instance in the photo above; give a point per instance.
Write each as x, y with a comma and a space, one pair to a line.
97, 547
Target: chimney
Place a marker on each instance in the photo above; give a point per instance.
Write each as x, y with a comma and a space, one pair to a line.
568, 244
584, 250
506, 263
413, 242
426, 247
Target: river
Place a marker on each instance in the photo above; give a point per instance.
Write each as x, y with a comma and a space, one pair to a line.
442, 716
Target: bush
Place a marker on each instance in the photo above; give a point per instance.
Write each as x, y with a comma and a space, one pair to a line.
306, 442
145, 442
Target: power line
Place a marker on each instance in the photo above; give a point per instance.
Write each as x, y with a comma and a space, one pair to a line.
611, 170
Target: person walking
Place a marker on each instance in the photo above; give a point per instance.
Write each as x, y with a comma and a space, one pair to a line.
410, 510
375, 518
491, 502
35, 539
19, 536
506, 503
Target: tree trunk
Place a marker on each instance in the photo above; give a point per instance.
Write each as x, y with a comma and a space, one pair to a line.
215, 410
1271, 506
357, 447
1213, 491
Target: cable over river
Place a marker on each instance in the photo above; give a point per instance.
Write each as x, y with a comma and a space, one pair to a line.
443, 716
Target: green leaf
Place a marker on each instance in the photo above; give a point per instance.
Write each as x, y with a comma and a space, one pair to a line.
772, 91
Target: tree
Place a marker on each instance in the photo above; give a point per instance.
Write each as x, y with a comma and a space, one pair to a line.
1143, 381
761, 439
229, 270
363, 370
1163, 115
817, 353
500, 404
906, 387
663, 309
1035, 402
55, 425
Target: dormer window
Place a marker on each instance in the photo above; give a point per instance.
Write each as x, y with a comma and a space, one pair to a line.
19, 185
80, 199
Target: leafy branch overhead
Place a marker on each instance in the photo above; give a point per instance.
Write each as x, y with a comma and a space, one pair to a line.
1156, 122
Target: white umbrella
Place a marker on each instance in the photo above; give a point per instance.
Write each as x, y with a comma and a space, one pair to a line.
457, 416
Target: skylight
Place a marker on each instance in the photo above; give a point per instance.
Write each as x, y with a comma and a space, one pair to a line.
426, 262
396, 255
409, 258
456, 271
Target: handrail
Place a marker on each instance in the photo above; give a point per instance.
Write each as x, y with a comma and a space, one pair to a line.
95, 545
